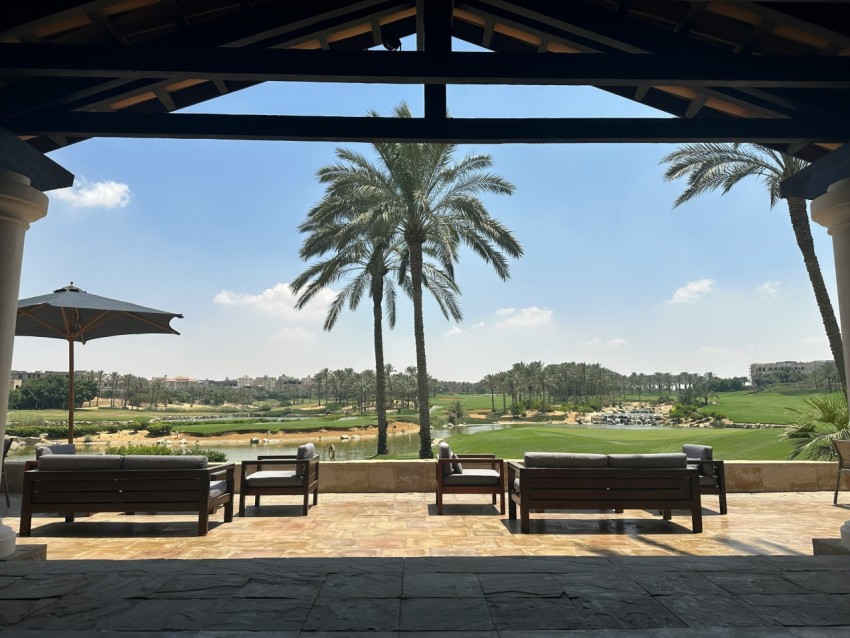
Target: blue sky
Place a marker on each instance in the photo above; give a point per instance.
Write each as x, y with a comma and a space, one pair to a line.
611, 272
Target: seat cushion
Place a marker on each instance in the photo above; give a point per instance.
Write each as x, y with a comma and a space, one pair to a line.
274, 478
559, 459
473, 478
217, 488
79, 462
163, 462
648, 461
708, 481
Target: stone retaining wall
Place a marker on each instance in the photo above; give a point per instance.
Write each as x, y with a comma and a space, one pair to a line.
419, 476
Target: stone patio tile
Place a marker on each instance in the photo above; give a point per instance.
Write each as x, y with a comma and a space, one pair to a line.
803, 609
166, 614
535, 613
434, 585
42, 633
76, 613
520, 585
658, 632
739, 583
445, 614
353, 614
347, 634
820, 632
13, 611
602, 582
242, 634
506, 564
626, 612
258, 614
714, 611
303, 586
677, 583
200, 586
362, 586
833, 582
45, 586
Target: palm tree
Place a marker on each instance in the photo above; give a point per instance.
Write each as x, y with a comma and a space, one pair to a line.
713, 166
811, 436
432, 204
364, 256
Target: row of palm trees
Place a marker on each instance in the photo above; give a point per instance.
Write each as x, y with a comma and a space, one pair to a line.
399, 222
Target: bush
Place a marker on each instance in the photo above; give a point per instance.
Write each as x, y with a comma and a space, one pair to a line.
214, 456
159, 429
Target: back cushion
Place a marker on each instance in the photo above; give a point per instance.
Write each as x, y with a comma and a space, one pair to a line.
163, 462
701, 452
60, 448
445, 452
674, 460
53, 462
306, 451
558, 459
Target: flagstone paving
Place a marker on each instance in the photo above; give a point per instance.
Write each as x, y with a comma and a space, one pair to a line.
388, 565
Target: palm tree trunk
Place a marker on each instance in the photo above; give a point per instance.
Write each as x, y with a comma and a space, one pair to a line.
419, 337
803, 235
380, 379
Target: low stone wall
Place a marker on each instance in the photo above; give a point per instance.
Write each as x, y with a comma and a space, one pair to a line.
419, 476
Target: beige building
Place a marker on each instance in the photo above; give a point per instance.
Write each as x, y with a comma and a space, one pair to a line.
804, 367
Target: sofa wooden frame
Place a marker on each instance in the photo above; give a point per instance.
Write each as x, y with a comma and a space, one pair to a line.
130, 491
542, 488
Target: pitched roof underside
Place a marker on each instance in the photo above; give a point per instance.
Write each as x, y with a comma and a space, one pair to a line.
771, 72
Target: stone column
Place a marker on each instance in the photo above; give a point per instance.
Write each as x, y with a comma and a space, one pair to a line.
20, 206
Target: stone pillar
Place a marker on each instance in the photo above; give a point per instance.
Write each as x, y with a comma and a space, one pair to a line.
20, 206
832, 210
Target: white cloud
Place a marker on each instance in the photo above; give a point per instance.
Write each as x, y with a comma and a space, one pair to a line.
769, 289
454, 330
610, 343
692, 291
85, 194
523, 317
294, 332
279, 301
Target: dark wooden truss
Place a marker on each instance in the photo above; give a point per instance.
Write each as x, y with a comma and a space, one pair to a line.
775, 73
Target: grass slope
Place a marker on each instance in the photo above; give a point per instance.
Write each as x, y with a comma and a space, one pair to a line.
778, 407
729, 444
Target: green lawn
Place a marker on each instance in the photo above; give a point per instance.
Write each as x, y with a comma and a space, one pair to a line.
781, 407
468, 401
754, 445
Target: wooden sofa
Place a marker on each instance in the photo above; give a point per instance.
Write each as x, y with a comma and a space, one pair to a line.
69, 483
596, 481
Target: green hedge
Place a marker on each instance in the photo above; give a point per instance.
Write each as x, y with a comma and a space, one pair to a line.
215, 456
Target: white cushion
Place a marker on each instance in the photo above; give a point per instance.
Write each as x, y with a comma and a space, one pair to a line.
270, 478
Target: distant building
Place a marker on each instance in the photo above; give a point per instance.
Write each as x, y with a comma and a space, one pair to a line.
804, 367
177, 384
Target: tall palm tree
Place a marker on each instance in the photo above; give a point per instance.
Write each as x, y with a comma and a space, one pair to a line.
709, 167
433, 204
364, 256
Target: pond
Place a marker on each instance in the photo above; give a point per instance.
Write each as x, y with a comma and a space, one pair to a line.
352, 449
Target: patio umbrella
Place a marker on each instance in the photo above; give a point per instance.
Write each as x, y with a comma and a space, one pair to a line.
75, 315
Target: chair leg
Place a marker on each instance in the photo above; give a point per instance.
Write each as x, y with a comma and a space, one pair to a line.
722, 499
306, 507
837, 484
502, 502
256, 500
242, 504
439, 502
316, 496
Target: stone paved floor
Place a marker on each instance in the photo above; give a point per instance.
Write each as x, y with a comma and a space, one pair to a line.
388, 565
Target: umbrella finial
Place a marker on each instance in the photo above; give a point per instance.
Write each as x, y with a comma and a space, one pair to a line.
69, 288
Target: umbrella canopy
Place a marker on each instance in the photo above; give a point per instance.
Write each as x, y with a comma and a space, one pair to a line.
74, 315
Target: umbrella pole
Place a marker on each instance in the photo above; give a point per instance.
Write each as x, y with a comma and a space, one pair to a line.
70, 390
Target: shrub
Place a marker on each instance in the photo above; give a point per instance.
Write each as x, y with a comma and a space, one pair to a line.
159, 429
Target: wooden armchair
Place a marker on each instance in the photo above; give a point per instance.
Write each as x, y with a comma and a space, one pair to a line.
295, 475
712, 475
469, 474
842, 447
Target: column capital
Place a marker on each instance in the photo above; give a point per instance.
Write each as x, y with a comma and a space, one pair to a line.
832, 209
20, 203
